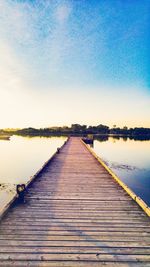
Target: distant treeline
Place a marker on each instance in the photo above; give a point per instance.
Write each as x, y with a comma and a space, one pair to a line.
77, 129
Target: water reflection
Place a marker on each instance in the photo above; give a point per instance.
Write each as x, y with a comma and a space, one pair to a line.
21, 157
130, 160
103, 138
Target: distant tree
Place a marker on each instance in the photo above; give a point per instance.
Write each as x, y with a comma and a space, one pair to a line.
125, 128
77, 128
102, 129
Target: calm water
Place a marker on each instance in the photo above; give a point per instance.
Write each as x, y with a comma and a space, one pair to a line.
130, 160
20, 159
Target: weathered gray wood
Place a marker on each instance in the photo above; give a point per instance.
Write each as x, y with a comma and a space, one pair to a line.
81, 237
90, 242
76, 228
75, 215
63, 236
77, 250
97, 257
79, 263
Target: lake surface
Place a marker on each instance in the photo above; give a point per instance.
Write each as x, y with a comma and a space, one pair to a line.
130, 160
20, 159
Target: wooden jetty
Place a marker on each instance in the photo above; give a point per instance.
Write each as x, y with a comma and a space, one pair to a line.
75, 214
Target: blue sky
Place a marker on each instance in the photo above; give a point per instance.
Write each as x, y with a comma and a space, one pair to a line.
66, 62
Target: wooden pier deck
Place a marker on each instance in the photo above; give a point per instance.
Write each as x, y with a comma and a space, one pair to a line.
75, 214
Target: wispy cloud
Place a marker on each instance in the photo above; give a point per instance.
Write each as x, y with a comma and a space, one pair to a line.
37, 37
63, 12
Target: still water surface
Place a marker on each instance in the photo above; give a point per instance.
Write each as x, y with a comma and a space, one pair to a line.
20, 159
130, 160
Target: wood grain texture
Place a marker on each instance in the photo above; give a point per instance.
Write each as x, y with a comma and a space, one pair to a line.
75, 214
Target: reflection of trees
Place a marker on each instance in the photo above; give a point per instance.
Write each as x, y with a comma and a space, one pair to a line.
7, 138
139, 138
102, 138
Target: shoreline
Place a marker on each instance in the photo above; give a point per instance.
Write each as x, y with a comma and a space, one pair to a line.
102, 137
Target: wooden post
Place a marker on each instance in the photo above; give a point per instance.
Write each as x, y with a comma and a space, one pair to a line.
21, 191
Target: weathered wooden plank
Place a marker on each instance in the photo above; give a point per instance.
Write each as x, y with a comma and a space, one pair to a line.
80, 250
131, 222
79, 263
64, 232
81, 205
81, 237
76, 220
42, 209
109, 232
80, 214
95, 216
78, 227
74, 197
76, 243
97, 257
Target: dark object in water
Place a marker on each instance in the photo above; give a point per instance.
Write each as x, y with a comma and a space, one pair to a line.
21, 191
3, 137
87, 140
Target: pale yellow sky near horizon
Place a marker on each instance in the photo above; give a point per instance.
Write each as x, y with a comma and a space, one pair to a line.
24, 108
